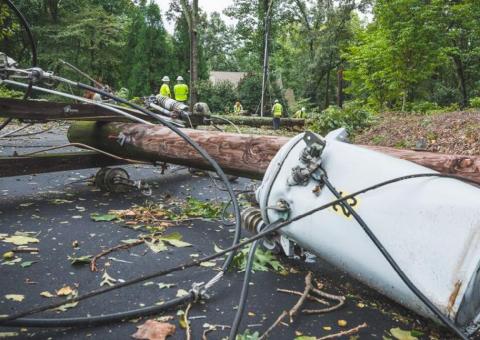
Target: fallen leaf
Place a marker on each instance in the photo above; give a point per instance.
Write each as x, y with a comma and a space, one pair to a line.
8, 334
208, 264
20, 240
162, 285
156, 246
342, 323
304, 337
80, 259
47, 294
12, 262
182, 292
27, 264
401, 334
154, 330
327, 328
103, 218
15, 297
9, 255
175, 239
65, 291
107, 280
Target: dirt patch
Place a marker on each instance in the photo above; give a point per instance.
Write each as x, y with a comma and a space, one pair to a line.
453, 132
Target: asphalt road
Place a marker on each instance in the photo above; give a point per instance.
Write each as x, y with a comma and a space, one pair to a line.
57, 208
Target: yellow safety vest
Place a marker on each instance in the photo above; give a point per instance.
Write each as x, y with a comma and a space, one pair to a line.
181, 92
165, 91
237, 108
277, 110
300, 114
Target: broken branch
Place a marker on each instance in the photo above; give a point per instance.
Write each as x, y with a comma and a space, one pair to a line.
344, 333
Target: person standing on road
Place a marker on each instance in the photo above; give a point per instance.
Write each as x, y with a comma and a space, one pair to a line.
165, 88
180, 90
277, 110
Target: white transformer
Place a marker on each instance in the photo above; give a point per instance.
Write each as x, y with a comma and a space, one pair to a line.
430, 226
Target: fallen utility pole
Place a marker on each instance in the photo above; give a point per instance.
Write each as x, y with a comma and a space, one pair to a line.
257, 121
238, 154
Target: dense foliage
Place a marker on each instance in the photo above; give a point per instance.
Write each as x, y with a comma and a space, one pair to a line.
410, 55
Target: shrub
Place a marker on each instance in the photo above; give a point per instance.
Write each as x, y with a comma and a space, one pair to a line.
7, 93
423, 107
352, 117
220, 97
475, 102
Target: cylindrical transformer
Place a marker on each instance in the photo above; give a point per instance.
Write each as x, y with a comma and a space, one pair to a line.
431, 226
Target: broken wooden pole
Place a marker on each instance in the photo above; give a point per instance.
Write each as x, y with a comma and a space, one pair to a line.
238, 154
44, 163
257, 121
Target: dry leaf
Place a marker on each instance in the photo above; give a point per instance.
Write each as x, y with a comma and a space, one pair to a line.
65, 291
342, 323
154, 330
107, 280
15, 297
47, 294
182, 292
21, 240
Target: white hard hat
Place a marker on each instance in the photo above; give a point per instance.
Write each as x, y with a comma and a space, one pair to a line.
179, 78
166, 78
303, 108
276, 100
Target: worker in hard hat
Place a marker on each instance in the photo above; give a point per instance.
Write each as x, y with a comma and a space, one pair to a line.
180, 90
277, 110
165, 88
237, 108
300, 114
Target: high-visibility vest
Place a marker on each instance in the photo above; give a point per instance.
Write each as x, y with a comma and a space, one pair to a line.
277, 110
165, 91
181, 92
300, 114
237, 108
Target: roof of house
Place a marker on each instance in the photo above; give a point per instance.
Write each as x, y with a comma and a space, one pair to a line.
232, 77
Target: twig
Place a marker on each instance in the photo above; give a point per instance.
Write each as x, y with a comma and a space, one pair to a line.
275, 324
312, 298
344, 333
25, 250
187, 324
122, 246
339, 298
93, 261
295, 308
308, 287
213, 328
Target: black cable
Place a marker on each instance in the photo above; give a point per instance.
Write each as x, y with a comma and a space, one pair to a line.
244, 293
446, 321
25, 25
100, 319
6, 320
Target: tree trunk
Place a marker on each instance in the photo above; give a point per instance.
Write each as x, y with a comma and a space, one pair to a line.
238, 154
194, 55
340, 86
191, 15
461, 79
